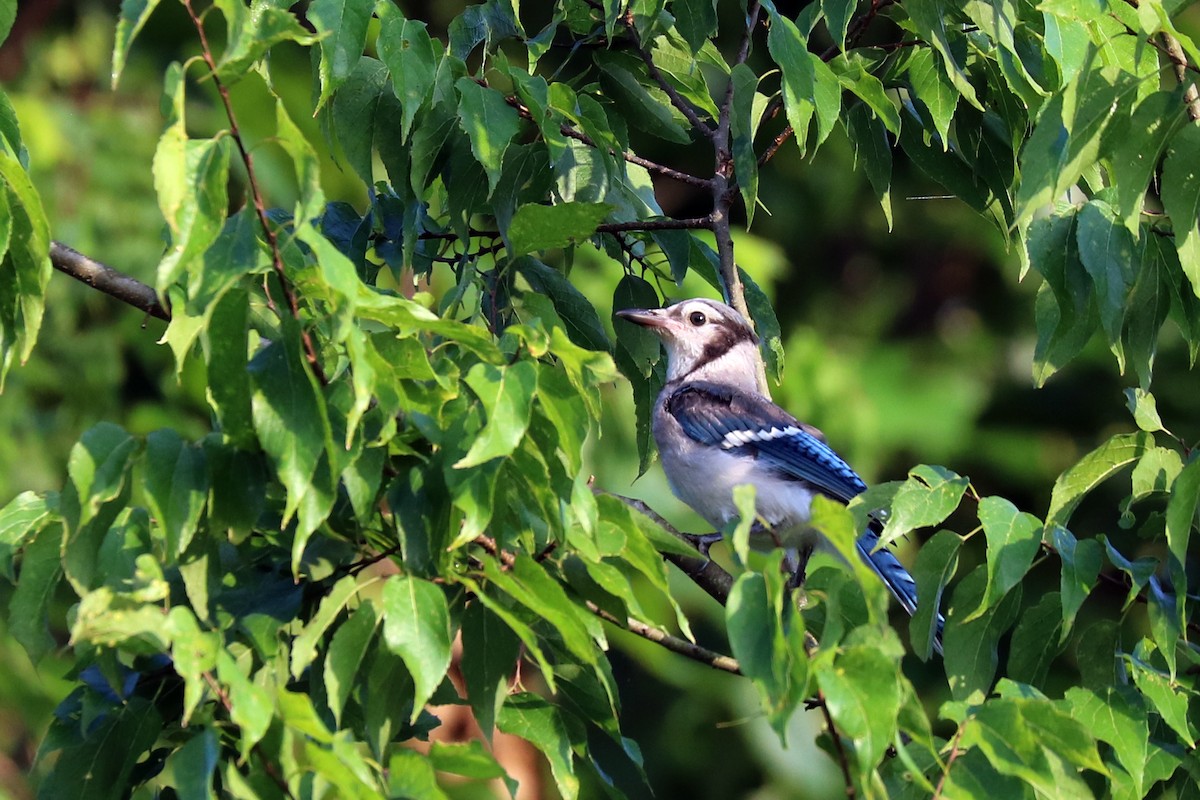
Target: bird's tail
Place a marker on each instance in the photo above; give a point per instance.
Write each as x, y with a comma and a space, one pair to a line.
895, 577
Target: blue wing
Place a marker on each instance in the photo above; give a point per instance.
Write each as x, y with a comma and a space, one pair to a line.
718, 416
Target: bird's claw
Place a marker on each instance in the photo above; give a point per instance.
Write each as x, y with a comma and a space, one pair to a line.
703, 541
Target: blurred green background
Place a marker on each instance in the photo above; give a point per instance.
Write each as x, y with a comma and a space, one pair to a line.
909, 346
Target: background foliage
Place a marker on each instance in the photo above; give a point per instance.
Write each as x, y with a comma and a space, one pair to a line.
391, 237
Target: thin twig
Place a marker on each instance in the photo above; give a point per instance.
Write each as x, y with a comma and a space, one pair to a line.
108, 280
954, 751
839, 747
256, 194
672, 643
632, 158
645, 163
1175, 53
662, 638
656, 75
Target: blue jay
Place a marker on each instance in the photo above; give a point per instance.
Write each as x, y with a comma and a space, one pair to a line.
715, 430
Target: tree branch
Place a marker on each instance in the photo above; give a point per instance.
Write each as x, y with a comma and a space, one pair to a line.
1175, 53
704, 572
256, 194
723, 192
108, 280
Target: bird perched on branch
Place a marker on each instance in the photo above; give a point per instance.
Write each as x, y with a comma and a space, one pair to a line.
716, 430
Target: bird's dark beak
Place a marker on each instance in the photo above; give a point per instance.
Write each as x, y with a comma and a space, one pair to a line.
646, 317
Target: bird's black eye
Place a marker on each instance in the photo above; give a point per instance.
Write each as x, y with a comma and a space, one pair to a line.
697, 318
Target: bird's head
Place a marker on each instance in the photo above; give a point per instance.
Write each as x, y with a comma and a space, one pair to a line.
705, 340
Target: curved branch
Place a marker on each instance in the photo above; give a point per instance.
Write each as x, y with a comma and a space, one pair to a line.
704, 572
108, 280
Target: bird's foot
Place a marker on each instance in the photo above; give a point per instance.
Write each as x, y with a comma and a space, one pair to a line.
703, 541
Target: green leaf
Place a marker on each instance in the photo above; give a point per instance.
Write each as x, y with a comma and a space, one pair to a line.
537, 227
934, 89
809, 86
191, 177
304, 646
936, 563
311, 203
342, 25
1013, 539
743, 124
1144, 409
1136, 144
837, 15
226, 342
361, 108
643, 104
1092, 470
489, 658
251, 707
1116, 716
1146, 309
133, 16
1065, 307
1107, 252
290, 418
251, 32
1165, 696
863, 694
749, 621
98, 466
468, 759
20, 521
536, 721
873, 152
1181, 518
176, 484
98, 765
971, 645
489, 122
1036, 641
192, 766
930, 18
345, 655
25, 266
1034, 741
194, 653
410, 774
405, 47
696, 21
1081, 562
37, 580
926, 498
578, 315
529, 584
853, 72
483, 22
416, 627
1066, 140
507, 397
1181, 198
